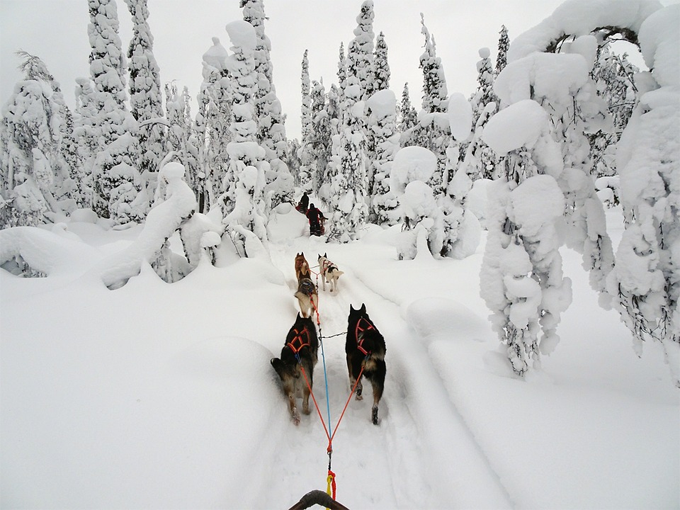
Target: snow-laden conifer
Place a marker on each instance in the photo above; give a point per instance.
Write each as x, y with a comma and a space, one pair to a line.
305, 177
243, 187
181, 141
479, 160
381, 66
116, 178
408, 117
271, 133
146, 97
521, 278
645, 283
213, 123
348, 190
35, 178
432, 131
503, 46
360, 57
382, 126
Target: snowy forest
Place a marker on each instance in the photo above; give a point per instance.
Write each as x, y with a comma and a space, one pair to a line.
560, 127
562, 131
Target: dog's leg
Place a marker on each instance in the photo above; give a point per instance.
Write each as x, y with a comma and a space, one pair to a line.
305, 400
289, 389
352, 377
309, 370
378, 382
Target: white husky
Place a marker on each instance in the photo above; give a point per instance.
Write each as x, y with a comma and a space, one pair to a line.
329, 273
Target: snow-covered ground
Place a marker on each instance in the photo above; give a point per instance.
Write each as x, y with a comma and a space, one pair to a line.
161, 395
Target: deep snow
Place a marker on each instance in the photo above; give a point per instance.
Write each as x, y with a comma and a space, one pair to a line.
161, 395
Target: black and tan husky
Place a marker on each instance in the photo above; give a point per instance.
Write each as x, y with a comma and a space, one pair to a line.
300, 351
365, 347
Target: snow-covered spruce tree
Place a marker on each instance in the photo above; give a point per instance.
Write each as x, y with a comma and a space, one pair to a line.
645, 283
560, 82
485, 78
503, 46
242, 200
432, 131
35, 178
460, 228
349, 210
319, 144
479, 160
305, 177
381, 66
381, 81
86, 133
521, 277
180, 139
271, 132
349, 206
213, 124
342, 77
614, 77
420, 234
117, 183
360, 57
408, 117
576, 108
146, 96
293, 159
382, 125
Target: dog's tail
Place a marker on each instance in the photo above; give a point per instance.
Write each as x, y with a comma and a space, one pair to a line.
279, 366
340, 273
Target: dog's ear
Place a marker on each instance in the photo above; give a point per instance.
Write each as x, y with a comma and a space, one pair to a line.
325, 255
363, 307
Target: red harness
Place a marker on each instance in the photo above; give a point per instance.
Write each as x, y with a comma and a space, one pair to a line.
297, 343
357, 334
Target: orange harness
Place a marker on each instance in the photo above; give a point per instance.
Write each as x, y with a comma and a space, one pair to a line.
297, 343
358, 333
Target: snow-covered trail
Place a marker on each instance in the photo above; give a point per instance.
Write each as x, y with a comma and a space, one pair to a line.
393, 465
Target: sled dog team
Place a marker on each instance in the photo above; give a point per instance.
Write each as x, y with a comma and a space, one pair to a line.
364, 345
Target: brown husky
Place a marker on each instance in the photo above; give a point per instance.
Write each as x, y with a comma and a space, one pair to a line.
299, 352
307, 295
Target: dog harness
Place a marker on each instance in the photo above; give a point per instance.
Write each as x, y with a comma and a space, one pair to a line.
328, 267
297, 343
307, 286
358, 332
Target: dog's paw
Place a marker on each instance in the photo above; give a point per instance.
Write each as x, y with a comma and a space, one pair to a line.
374, 415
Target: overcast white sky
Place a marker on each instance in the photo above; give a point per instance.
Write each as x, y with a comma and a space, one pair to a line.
56, 31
